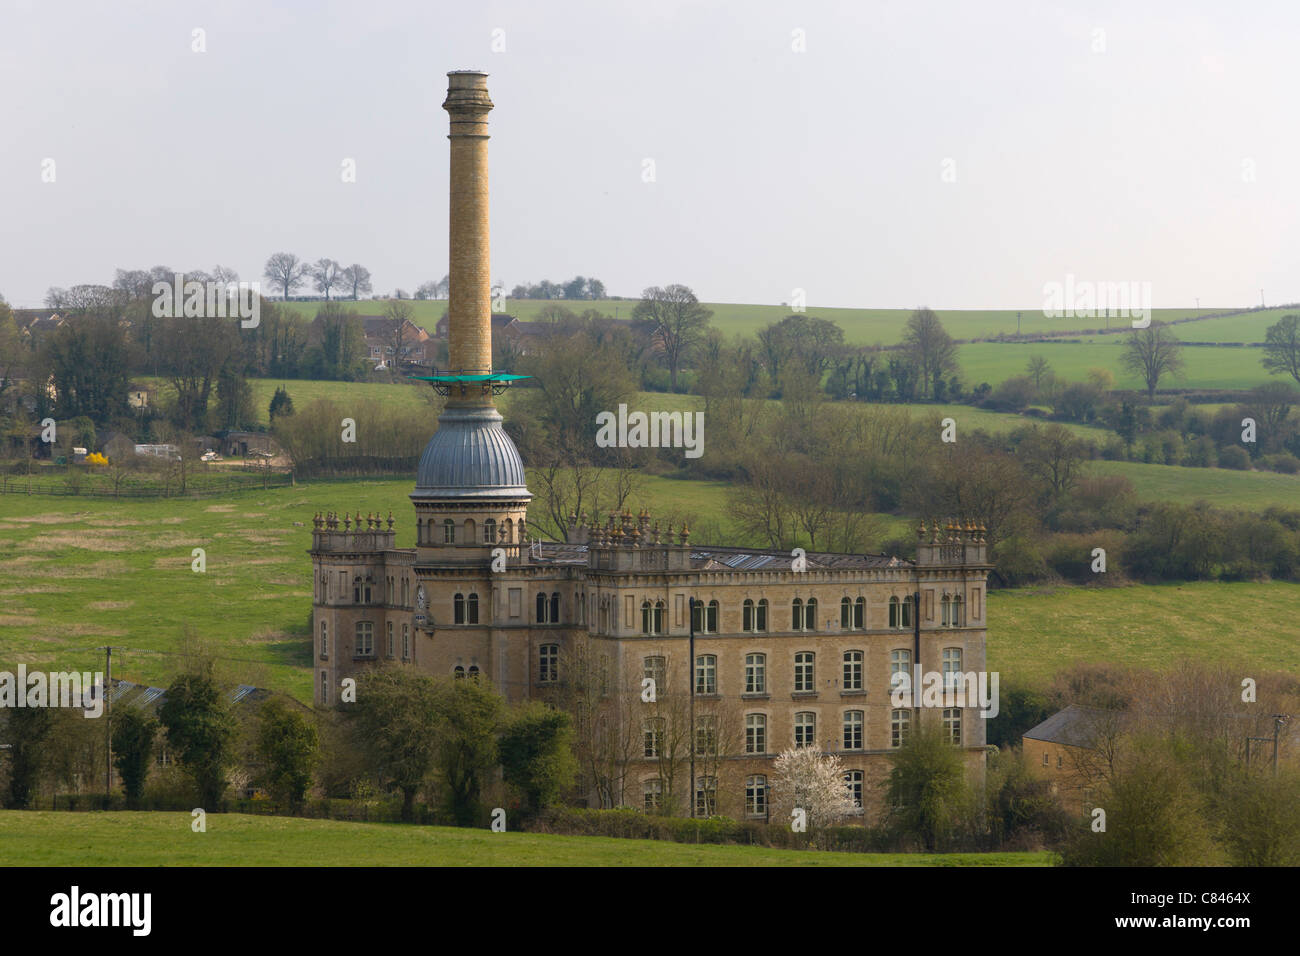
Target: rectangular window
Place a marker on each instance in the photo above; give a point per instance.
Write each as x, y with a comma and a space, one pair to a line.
756, 796
755, 674
706, 796
706, 674
406, 642
365, 639
516, 602
324, 639
900, 721
951, 667
803, 672
805, 729
653, 794
655, 668
549, 659
853, 730
755, 734
325, 690
706, 735
389, 648
853, 670
900, 662
652, 732
853, 783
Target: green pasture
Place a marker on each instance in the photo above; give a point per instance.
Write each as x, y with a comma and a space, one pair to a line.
47, 838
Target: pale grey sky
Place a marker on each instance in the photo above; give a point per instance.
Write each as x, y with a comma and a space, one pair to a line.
1161, 149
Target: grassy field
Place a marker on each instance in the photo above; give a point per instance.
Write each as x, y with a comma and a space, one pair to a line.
84, 572
1040, 631
861, 326
165, 839
1248, 490
1206, 367
404, 395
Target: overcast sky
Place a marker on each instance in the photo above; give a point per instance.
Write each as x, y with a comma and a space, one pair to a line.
1119, 141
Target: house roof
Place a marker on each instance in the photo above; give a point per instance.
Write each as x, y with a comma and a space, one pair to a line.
731, 559
1075, 726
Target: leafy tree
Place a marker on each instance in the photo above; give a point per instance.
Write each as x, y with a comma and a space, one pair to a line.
673, 319
133, 739
28, 731
1152, 353
1282, 347
1154, 814
287, 745
931, 350
281, 404
537, 754
397, 718
1037, 369
87, 357
469, 714
200, 731
285, 270
1261, 819
926, 791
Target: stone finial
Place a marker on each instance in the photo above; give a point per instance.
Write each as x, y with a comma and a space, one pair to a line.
920, 532
685, 533
655, 532
347, 521
390, 519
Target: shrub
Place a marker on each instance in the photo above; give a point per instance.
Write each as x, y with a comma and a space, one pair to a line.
1235, 457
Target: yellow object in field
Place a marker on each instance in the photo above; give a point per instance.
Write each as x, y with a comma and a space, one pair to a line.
95, 458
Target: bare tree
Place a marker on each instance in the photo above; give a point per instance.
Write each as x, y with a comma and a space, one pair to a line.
357, 278
327, 276
1152, 353
286, 271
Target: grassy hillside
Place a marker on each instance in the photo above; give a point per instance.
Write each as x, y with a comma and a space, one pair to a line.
861, 326
1205, 367
165, 839
1251, 490
1040, 631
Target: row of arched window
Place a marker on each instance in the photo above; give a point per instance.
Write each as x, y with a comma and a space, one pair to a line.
467, 532
803, 614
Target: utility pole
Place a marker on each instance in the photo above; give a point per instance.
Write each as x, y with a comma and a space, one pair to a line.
690, 670
1278, 721
108, 724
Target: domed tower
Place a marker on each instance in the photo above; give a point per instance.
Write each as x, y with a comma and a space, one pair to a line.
470, 494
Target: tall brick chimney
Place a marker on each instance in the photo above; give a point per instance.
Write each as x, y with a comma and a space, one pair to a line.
469, 306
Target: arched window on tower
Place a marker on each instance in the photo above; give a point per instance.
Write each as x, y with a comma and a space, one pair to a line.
509, 527
555, 608
448, 531
470, 531
796, 615
846, 613
760, 622
747, 615
471, 609
541, 608
647, 618
810, 615
458, 609
860, 612
489, 531
458, 672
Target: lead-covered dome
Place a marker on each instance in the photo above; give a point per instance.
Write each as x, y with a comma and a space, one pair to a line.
470, 456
